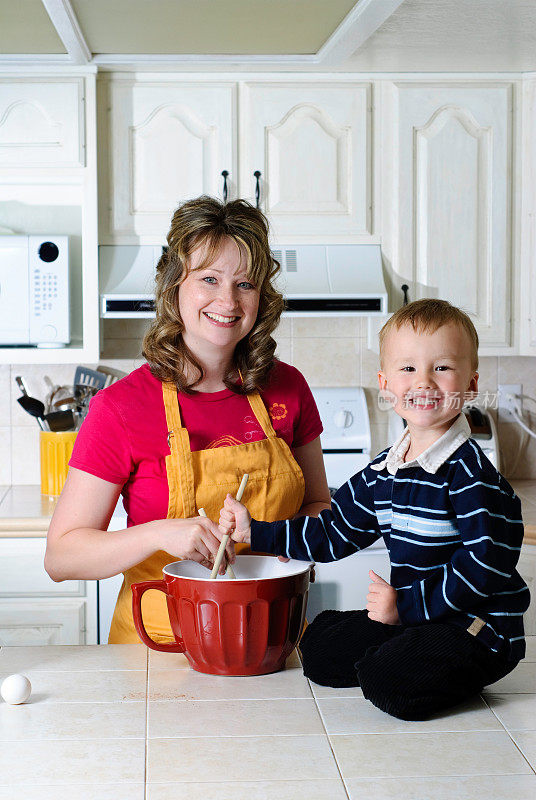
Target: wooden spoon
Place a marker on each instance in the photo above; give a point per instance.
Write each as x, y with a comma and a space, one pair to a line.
223, 543
229, 571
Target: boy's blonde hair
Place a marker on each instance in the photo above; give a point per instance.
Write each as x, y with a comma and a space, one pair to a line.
428, 315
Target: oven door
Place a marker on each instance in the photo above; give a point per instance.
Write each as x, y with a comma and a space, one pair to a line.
341, 465
343, 585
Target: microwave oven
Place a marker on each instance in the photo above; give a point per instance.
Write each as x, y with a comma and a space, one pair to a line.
34, 291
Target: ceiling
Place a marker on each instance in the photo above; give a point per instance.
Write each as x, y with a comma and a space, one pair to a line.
209, 27
339, 35
453, 35
25, 27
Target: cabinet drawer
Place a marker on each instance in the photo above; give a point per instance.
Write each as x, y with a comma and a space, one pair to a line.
22, 572
42, 622
41, 122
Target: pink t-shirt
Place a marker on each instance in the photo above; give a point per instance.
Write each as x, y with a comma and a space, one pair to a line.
124, 436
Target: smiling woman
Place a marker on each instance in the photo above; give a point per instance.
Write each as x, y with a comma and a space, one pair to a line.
211, 403
218, 301
218, 263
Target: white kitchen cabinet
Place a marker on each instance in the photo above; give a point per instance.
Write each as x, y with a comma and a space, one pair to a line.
527, 569
42, 122
447, 198
34, 610
168, 142
311, 144
38, 622
48, 185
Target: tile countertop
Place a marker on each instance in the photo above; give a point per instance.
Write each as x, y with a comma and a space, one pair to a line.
24, 511
121, 721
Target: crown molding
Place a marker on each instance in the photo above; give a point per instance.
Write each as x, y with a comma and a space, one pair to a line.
360, 23
64, 20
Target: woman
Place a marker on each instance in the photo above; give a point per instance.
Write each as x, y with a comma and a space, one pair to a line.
178, 433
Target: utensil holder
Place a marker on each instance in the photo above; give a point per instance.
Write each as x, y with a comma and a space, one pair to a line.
55, 451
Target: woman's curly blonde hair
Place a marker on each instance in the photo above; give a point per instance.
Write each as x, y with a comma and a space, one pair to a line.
206, 221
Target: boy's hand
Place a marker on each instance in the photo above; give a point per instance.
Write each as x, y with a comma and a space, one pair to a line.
381, 601
235, 520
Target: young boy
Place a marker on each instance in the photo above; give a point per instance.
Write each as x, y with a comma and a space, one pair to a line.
451, 619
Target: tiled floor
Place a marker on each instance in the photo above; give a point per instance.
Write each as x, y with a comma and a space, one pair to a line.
118, 722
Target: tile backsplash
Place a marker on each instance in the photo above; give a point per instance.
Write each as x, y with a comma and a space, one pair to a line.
329, 352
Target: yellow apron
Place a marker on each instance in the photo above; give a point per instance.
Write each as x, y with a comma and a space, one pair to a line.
201, 479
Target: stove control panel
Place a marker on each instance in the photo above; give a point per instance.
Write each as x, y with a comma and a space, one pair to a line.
344, 414
343, 418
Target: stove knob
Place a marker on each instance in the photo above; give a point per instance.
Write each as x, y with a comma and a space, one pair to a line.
343, 419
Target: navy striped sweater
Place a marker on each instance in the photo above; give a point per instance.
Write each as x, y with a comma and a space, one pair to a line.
453, 537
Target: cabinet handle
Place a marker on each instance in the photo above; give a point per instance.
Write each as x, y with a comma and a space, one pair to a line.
225, 174
257, 175
405, 288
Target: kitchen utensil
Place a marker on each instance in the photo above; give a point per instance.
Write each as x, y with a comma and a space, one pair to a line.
58, 395
31, 405
86, 377
225, 539
84, 394
61, 420
247, 626
63, 400
51, 386
21, 383
111, 373
35, 408
67, 403
52, 389
229, 570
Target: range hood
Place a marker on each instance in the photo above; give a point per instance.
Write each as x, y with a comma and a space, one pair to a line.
333, 279
126, 276
316, 280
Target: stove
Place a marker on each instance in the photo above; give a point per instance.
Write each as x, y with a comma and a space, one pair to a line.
346, 446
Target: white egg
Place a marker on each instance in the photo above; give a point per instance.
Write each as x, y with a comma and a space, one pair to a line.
16, 689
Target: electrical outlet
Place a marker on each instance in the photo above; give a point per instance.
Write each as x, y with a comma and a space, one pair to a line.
504, 405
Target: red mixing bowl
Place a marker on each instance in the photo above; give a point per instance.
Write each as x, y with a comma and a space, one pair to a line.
247, 626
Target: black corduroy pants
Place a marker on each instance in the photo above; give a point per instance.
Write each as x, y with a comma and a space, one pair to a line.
408, 672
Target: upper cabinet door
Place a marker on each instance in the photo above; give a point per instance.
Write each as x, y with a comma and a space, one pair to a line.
447, 205
169, 143
311, 146
41, 122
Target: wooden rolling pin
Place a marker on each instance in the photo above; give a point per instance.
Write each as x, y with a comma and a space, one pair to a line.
223, 543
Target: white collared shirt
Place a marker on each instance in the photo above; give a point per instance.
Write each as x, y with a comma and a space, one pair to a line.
431, 458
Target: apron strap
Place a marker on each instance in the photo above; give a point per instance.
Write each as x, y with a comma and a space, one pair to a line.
181, 479
262, 415
171, 406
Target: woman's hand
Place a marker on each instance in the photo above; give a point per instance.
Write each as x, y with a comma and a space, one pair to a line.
381, 601
79, 546
195, 539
